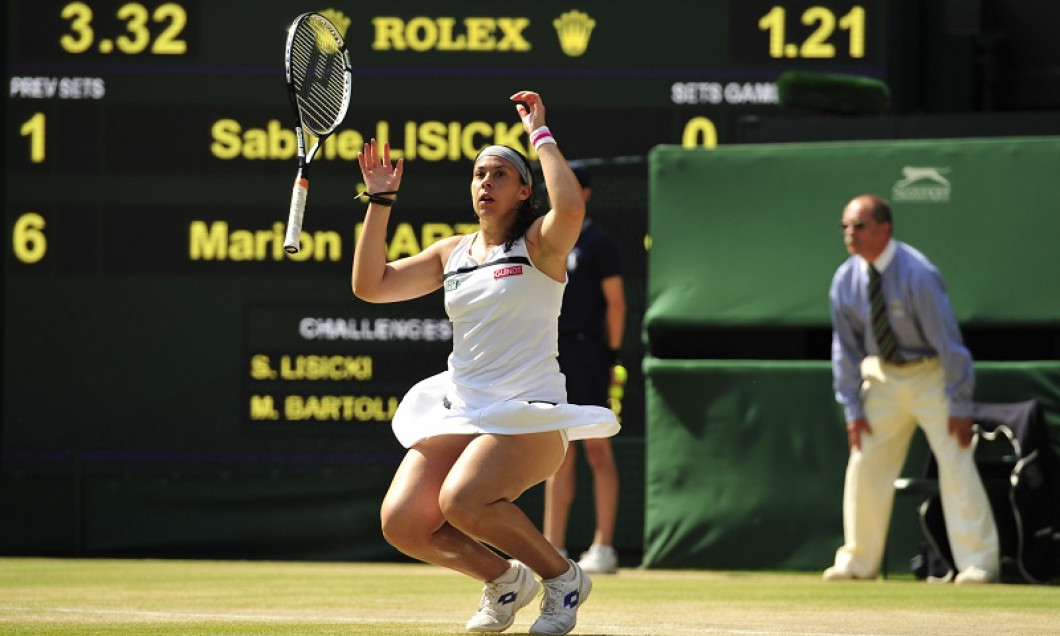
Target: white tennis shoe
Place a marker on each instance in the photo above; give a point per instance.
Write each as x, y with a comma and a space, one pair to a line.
563, 596
599, 559
502, 598
974, 576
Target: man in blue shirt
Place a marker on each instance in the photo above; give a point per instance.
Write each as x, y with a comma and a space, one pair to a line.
897, 363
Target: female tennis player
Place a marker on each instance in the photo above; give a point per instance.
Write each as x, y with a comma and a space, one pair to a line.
496, 422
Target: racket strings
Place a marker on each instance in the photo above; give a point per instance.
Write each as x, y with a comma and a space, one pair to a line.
319, 74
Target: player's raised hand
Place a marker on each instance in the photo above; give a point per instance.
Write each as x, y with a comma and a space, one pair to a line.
379, 174
531, 110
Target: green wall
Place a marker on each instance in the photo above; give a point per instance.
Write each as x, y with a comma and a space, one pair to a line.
749, 235
745, 458
745, 461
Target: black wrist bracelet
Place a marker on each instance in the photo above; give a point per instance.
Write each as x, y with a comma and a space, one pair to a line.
378, 199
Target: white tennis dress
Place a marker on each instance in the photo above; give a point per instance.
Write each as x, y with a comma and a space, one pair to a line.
503, 376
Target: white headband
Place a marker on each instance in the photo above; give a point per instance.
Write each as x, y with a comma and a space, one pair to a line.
512, 157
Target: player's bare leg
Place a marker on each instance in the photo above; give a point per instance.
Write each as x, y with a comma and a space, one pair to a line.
413, 521
559, 494
477, 496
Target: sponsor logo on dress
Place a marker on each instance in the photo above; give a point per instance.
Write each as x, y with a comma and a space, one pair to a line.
452, 284
924, 184
504, 272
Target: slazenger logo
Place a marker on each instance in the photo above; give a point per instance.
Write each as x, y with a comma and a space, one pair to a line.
511, 270
922, 183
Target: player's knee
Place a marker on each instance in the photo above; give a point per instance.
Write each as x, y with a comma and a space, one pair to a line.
403, 529
460, 510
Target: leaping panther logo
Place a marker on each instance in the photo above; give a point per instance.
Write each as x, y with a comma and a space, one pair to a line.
922, 183
912, 174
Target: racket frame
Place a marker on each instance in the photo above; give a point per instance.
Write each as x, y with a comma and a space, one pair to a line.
300, 192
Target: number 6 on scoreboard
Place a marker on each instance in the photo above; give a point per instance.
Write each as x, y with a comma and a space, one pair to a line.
319, 82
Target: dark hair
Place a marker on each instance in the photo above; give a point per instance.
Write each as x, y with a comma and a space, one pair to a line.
581, 171
881, 209
528, 208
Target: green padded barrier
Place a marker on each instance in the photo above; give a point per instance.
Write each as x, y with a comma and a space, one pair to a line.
745, 461
749, 235
745, 465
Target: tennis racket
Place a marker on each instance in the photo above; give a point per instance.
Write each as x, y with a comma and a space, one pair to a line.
319, 80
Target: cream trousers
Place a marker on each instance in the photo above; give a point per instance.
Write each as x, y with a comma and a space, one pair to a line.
896, 400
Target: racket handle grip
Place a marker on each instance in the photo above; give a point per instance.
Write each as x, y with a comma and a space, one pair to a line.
294, 219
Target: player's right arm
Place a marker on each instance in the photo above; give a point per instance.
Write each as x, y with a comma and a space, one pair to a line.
376, 281
373, 278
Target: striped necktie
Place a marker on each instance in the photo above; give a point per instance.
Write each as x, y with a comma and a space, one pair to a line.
881, 327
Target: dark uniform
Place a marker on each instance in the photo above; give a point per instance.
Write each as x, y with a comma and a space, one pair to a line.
584, 352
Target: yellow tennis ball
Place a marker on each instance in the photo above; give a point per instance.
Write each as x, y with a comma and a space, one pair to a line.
325, 41
616, 392
621, 375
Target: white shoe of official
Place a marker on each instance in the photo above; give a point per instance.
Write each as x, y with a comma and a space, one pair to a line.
563, 596
503, 597
974, 576
599, 559
833, 573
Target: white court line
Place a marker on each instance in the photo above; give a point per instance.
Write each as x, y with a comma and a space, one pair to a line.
618, 629
721, 630
215, 615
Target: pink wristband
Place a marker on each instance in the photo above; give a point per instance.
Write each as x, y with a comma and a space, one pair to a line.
541, 136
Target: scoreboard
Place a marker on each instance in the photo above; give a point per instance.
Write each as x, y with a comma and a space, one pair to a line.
150, 311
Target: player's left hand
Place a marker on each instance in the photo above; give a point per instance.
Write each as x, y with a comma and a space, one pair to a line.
531, 110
